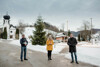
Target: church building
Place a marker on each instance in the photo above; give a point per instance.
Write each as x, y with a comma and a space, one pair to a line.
11, 30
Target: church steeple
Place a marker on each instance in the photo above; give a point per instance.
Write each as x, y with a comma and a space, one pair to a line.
6, 18
7, 13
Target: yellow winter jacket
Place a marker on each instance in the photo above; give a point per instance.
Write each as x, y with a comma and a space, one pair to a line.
50, 44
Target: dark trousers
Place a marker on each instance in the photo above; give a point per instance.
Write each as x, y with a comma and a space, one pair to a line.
23, 49
49, 54
74, 55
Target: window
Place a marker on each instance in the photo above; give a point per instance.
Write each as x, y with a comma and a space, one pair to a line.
11, 31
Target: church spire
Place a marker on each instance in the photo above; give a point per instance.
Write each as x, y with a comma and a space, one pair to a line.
7, 13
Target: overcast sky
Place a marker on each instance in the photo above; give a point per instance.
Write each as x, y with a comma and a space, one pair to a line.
56, 12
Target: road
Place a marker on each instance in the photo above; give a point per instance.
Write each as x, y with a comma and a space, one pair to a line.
10, 57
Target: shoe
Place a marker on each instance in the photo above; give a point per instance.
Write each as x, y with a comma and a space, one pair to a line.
77, 63
50, 59
21, 60
25, 59
72, 62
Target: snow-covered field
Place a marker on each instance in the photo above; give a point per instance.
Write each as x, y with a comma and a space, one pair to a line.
88, 53
88, 44
57, 47
84, 44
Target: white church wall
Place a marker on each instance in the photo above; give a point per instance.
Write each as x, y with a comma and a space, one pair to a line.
12, 32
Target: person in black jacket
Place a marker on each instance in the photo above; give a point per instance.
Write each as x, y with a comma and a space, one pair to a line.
23, 43
72, 42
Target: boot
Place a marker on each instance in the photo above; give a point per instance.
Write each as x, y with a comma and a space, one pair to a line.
77, 63
72, 62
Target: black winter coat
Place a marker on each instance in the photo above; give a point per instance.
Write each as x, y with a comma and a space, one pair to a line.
72, 42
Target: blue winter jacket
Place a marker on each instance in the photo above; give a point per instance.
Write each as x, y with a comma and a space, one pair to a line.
22, 42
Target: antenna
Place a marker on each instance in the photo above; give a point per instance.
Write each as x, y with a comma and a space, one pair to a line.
39, 14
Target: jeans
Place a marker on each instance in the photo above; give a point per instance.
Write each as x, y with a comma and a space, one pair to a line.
49, 54
74, 55
23, 49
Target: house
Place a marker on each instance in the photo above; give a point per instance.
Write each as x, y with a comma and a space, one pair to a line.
61, 37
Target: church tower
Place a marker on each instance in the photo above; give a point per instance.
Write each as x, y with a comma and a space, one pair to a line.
6, 23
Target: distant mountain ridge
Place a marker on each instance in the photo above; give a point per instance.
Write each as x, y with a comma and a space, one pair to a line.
76, 33
96, 30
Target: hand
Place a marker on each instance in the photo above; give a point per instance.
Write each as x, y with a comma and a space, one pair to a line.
25, 44
50, 44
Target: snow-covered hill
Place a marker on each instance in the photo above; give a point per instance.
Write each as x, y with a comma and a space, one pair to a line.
29, 31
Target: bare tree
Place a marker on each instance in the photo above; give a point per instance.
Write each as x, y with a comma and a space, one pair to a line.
21, 26
85, 30
86, 25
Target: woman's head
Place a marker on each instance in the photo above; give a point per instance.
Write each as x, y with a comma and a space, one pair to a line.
50, 37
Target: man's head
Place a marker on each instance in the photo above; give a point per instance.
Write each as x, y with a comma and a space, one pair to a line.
23, 36
71, 35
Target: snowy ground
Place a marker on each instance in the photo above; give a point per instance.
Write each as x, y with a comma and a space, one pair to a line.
88, 53
57, 47
88, 44
0, 41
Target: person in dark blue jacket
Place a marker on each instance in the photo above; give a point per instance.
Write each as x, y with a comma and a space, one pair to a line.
24, 44
72, 42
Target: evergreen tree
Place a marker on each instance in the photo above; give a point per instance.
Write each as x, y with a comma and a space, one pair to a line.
17, 33
39, 33
69, 32
5, 33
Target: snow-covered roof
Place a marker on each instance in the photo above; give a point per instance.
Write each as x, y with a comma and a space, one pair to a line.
50, 31
12, 28
60, 35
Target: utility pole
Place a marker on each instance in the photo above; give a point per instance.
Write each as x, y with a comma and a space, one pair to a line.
91, 32
63, 26
91, 26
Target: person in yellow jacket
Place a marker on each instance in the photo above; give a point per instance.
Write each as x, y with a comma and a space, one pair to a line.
49, 44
